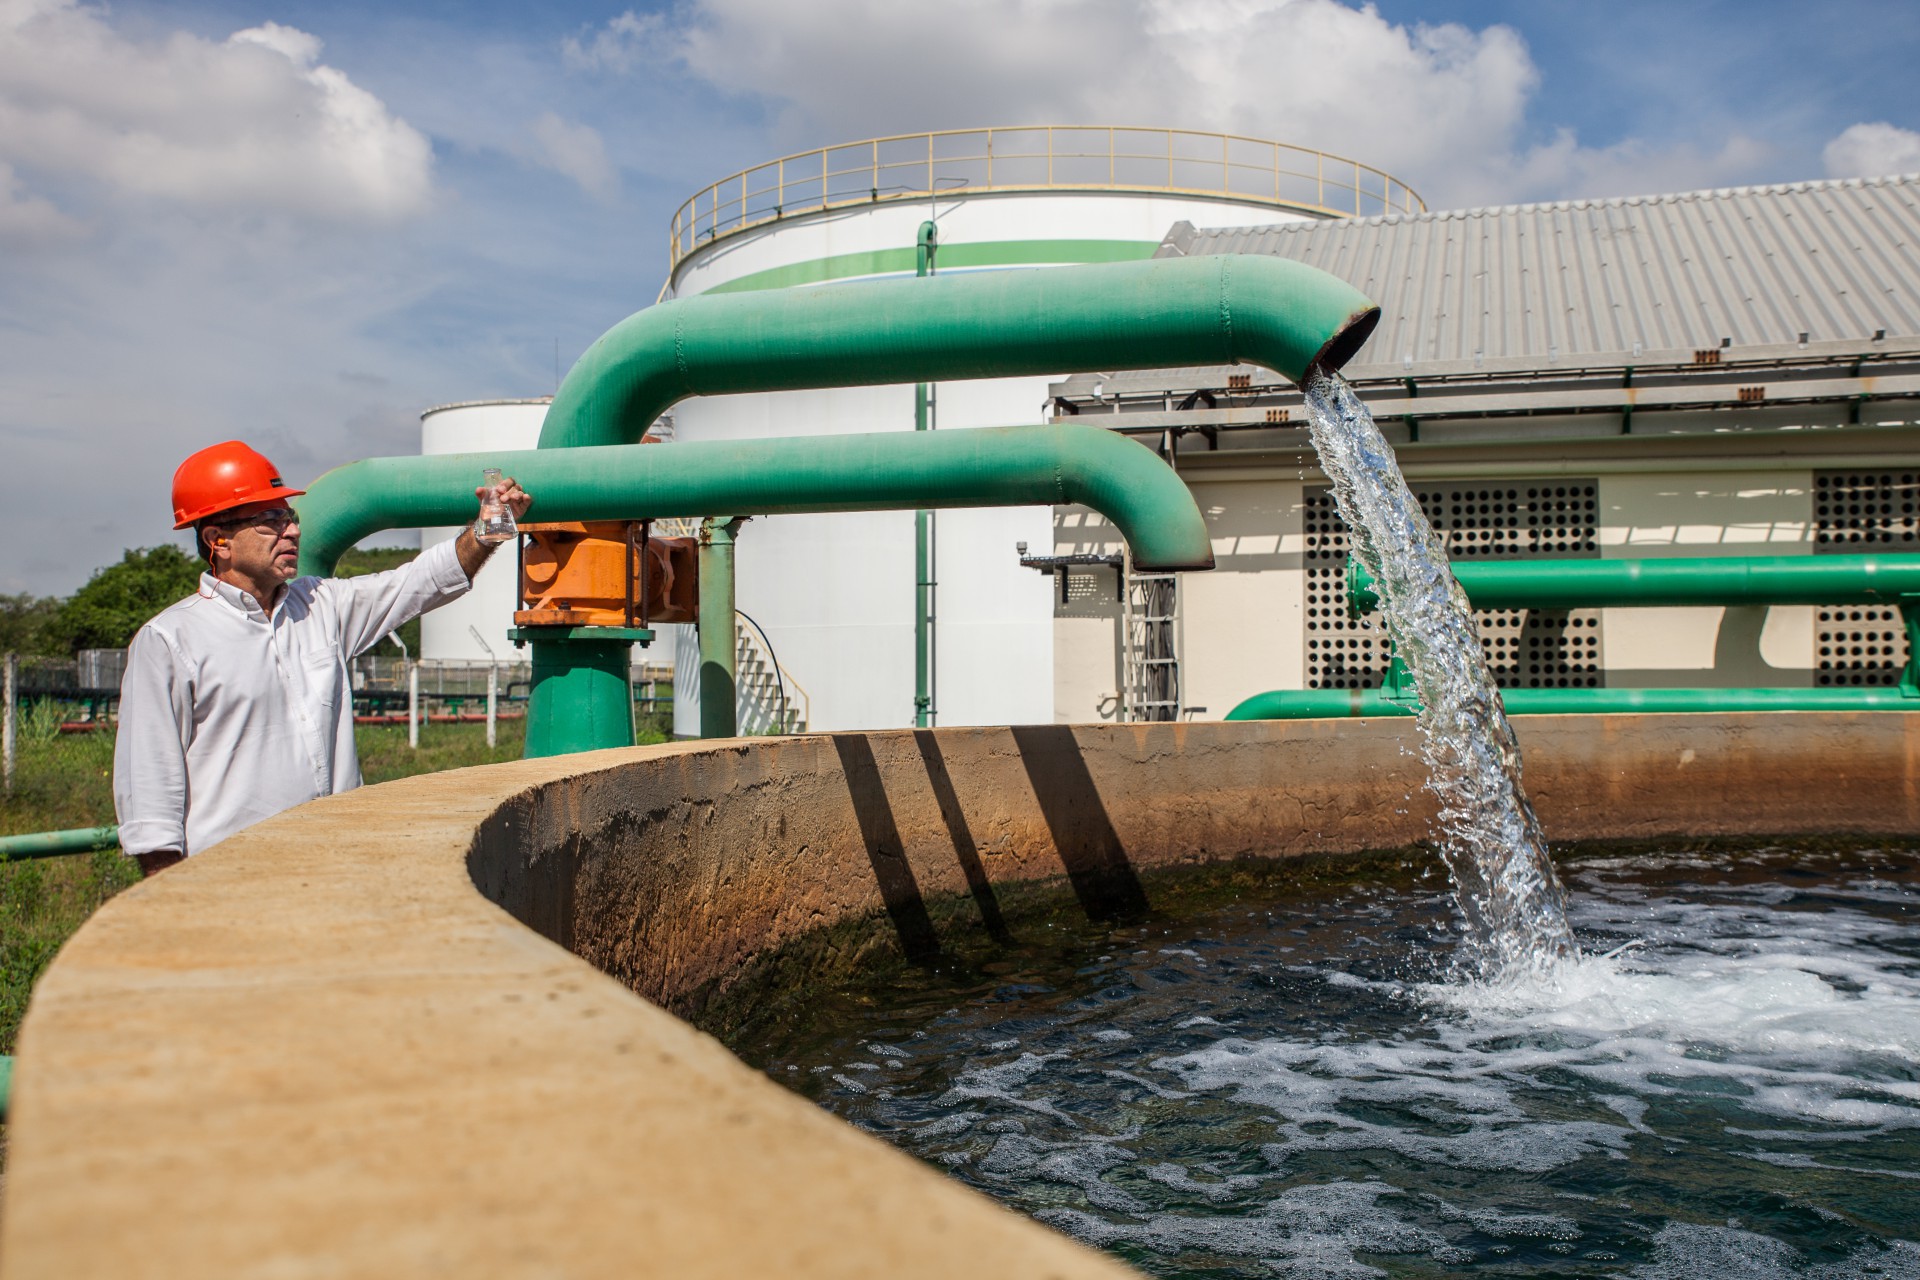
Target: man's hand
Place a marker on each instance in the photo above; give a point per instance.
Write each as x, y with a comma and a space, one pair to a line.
152, 864
472, 552
510, 494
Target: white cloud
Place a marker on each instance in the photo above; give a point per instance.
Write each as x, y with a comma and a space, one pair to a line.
1872, 151
1563, 168
623, 43
254, 123
1443, 107
574, 151
29, 219
221, 235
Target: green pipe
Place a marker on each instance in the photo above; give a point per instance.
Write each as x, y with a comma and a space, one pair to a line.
1157, 314
923, 602
1715, 580
887, 471
1332, 704
54, 844
580, 698
719, 713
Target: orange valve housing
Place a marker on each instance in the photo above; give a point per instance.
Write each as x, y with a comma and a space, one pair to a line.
605, 573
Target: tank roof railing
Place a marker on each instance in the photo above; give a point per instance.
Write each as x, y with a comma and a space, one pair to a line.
1037, 158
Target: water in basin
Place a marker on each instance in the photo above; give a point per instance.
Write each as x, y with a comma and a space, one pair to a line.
1727, 1084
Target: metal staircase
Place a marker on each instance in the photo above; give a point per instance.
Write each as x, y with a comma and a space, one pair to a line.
767, 699
1150, 676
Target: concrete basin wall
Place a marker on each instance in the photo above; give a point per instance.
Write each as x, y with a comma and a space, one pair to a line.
396, 1032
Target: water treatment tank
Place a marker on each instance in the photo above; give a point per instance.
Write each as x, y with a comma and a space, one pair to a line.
834, 594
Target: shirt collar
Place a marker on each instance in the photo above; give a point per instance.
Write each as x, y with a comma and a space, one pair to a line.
212, 588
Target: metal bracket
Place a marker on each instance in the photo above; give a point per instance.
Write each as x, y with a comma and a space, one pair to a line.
1061, 567
573, 635
1910, 677
1397, 686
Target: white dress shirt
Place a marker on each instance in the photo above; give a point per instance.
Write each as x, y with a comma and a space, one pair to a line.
229, 716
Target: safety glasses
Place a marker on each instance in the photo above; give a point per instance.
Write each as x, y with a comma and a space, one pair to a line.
272, 520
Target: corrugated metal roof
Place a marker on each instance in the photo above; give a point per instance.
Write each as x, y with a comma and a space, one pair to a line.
1589, 280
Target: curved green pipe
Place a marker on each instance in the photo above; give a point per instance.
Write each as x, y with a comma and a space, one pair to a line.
1716, 580
53, 844
1334, 704
988, 467
1163, 313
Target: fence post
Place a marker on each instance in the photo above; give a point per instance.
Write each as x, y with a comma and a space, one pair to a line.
413, 705
6, 720
493, 696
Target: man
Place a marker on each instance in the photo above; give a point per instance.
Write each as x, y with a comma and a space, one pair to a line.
235, 705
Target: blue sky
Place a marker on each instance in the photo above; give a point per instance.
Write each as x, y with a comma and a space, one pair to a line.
302, 223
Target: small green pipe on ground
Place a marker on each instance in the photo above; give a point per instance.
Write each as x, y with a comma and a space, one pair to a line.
54, 844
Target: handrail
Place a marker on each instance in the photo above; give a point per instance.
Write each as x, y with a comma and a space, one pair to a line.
911, 166
791, 690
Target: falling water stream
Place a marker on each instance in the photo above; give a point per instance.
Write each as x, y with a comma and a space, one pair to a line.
1513, 903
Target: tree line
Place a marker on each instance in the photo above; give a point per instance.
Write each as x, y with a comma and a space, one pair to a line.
120, 597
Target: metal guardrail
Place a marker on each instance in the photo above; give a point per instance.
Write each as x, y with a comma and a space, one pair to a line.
1037, 158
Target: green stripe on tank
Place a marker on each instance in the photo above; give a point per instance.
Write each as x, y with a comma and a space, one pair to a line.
991, 253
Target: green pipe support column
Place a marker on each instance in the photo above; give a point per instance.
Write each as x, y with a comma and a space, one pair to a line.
719, 715
923, 545
55, 844
1721, 580
580, 698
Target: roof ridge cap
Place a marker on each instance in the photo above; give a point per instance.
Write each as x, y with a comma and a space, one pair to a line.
1575, 202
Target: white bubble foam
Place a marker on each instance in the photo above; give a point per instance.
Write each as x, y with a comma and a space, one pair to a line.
1001, 1082
1306, 1231
1687, 1251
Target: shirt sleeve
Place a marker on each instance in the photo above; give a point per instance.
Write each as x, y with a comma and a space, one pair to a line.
371, 606
150, 748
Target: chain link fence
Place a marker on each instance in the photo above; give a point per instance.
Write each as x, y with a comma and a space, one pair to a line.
58, 741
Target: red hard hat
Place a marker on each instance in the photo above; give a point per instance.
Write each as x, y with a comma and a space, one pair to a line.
221, 477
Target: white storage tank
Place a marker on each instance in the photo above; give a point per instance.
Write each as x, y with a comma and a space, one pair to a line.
835, 594
477, 426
